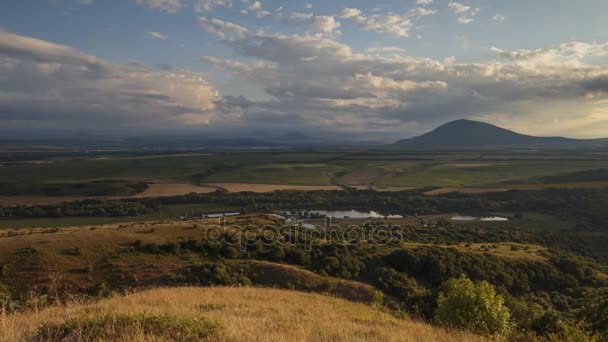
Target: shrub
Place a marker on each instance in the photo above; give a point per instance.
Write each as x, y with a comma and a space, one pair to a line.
5, 297
3, 270
475, 307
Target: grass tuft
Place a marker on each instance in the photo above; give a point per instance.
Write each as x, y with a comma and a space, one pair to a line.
115, 327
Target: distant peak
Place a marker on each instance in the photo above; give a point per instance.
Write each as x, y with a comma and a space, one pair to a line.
470, 133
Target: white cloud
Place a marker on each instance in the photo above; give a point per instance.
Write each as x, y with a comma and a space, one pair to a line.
208, 5
156, 35
262, 14
397, 25
350, 13
384, 49
325, 24
223, 29
54, 86
424, 2
170, 6
499, 17
296, 17
550, 60
312, 80
465, 13
253, 5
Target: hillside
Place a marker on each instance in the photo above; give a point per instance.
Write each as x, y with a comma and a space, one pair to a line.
226, 314
468, 133
40, 267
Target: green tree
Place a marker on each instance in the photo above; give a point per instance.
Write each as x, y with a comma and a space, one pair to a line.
472, 306
595, 312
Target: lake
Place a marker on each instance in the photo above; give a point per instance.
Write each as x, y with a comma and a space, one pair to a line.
475, 218
353, 214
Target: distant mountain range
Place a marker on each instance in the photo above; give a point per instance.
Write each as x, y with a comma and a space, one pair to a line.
469, 133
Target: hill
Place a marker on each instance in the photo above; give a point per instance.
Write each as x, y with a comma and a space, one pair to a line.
468, 133
220, 314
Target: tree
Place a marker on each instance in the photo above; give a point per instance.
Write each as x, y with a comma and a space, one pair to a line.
476, 307
595, 312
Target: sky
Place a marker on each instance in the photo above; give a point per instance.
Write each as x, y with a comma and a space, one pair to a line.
356, 69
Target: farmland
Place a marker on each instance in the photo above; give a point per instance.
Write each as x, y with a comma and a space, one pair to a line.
132, 175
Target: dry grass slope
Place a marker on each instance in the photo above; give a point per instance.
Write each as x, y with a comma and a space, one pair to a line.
226, 314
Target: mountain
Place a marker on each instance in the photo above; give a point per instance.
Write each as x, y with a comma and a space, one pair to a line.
469, 133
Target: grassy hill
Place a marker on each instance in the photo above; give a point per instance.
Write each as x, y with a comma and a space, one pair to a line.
544, 286
226, 314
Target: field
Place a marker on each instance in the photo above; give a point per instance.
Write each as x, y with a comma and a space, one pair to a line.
352, 168
227, 313
152, 190
51, 178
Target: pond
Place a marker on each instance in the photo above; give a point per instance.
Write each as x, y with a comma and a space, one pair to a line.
353, 214
475, 218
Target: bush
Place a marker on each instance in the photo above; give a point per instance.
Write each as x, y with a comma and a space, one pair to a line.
5, 297
475, 307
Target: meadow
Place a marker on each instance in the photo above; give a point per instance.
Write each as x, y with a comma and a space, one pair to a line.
222, 314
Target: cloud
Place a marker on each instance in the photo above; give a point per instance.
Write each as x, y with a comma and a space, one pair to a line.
325, 24
208, 5
499, 17
317, 81
397, 25
253, 5
51, 86
169, 6
303, 81
465, 13
156, 35
256, 7
295, 17
350, 13
223, 29
386, 49
549, 60
598, 84
424, 2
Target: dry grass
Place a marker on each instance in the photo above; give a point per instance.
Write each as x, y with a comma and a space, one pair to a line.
473, 165
395, 188
531, 186
507, 250
443, 191
253, 187
251, 314
172, 189
269, 274
9, 201
34, 253
154, 190
574, 185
